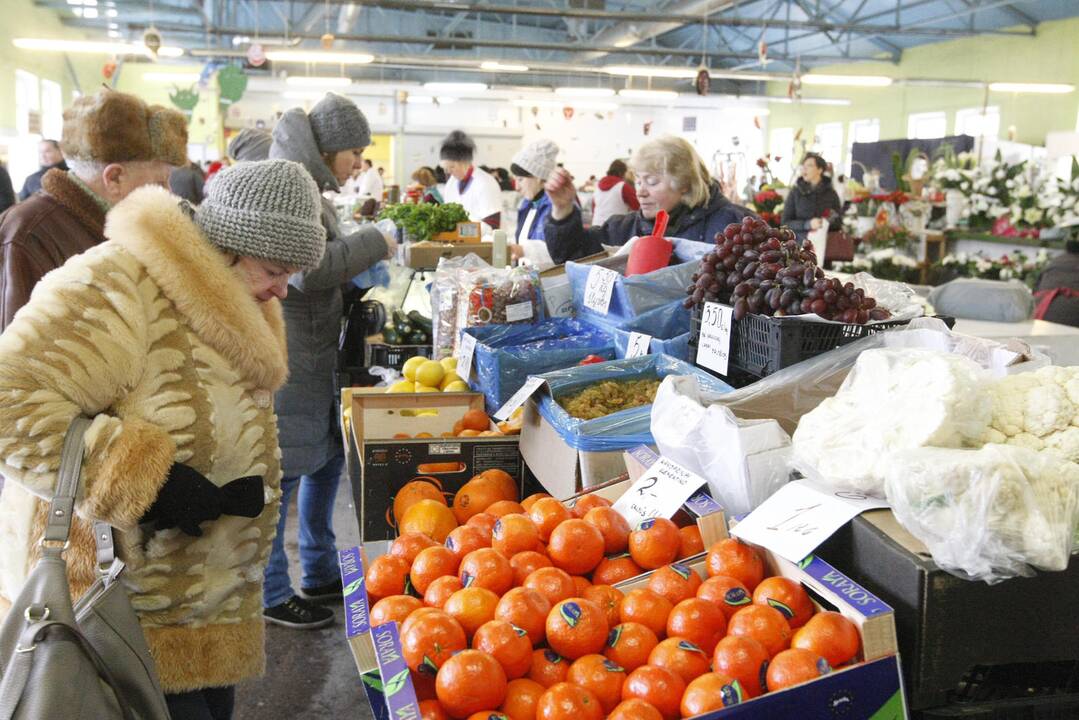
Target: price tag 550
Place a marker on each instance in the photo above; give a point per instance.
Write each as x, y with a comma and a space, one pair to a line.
714, 344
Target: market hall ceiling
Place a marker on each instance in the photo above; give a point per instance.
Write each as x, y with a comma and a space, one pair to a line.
562, 41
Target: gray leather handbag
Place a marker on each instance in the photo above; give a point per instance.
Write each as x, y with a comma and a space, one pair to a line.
81, 661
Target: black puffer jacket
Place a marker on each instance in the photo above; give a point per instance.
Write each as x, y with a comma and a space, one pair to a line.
805, 202
567, 239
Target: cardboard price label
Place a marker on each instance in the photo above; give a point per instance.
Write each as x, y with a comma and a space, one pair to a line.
466, 347
518, 398
598, 288
638, 346
714, 346
660, 492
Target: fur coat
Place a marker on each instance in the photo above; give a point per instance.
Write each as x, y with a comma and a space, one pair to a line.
156, 339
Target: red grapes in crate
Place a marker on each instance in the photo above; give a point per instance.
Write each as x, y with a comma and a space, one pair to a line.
761, 269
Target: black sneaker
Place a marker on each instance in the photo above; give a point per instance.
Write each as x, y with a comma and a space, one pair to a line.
299, 614
323, 593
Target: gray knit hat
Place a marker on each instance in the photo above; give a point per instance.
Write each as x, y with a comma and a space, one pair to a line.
268, 209
250, 144
338, 124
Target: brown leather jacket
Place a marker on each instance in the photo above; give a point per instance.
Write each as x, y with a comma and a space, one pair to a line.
41, 233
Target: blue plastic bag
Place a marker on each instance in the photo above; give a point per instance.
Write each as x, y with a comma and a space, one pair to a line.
677, 347
620, 430
506, 355
665, 321
376, 275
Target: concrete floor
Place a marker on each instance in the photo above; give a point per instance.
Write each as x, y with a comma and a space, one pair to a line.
310, 674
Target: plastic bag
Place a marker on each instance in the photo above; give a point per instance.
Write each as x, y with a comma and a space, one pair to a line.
506, 355
744, 461
987, 514
632, 296
897, 298
977, 299
444, 291
623, 429
499, 296
664, 321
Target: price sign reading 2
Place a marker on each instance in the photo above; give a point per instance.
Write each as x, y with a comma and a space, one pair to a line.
714, 345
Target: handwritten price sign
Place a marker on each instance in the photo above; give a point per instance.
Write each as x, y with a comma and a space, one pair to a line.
714, 346
658, 493
638, 346
598, 289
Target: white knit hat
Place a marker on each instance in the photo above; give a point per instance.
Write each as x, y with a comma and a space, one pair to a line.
537, 158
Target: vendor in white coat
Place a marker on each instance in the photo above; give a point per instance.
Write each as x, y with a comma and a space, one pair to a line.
531, 167
467, 184
370, 182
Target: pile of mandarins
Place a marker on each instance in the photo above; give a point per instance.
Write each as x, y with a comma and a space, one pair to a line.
513, 614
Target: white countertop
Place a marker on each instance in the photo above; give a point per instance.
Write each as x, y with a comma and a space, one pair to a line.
1059, 342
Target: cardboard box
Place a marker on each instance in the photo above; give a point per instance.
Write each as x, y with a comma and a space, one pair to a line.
379, 465
465, 232
946, 625
425, 255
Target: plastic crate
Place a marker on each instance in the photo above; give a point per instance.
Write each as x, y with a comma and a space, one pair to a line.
392, 356
1021, 691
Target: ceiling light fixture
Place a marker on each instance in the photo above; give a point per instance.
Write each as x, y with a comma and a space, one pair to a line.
678, 73
312, 81
847, 80
1039, 88
319, 56
302, 95
647, 94
593, 92
496, 66
92, 47
455, 87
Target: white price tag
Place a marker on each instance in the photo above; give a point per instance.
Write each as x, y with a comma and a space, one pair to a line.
466, 346
714, 345
518, 312
663, 488
598, 289
638, 345
518, 398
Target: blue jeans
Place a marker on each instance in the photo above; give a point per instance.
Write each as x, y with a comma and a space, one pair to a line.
318, 552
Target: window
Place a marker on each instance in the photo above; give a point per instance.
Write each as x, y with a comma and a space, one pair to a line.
860, 131
828, 141
978, 122
924, 126
23, 148
52, 110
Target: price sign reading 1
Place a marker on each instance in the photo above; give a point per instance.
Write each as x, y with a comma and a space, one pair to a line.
714, 346
638, 345
598, 288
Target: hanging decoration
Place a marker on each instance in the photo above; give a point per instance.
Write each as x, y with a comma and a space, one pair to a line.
185, 99
567, 112
762, 53
232, 82
703, 82
327, 40
108, 69
648, 128
256, 55
794, 89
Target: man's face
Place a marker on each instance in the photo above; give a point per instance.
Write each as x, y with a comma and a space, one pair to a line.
48, 154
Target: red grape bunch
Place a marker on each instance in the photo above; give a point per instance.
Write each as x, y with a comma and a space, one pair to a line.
761, 269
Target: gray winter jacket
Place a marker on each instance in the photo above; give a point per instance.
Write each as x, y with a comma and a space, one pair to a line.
306, 408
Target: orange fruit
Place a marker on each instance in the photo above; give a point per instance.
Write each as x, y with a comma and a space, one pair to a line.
472, 607
475, 419
830, 635
469, 682
676, 582
566, 701
506, 643
600, 676
475, 496
764, 624
414, 491
743, 659
698, 621
514, 533
485, 522
612, 526
580, 584
576, 627
548, 667
654, 543
522, 696
489, 715
408, 546
469, 433
486, 568
429, 517
546, 514
647, 608
387, 575
575, 546
550, 582
430, 641
726, 593
589, 502
529, 501
711, 691
431, 564
691, 541
608, 599
611, 571
680, 656
737, 560
465, 539
659, 687
526, 609
401, 436
794, 667
629, 645
634, 709
786, 596
395, 608
505, 507
524, 563
458, 427
440, 589
416, 615
432, 710
504, 481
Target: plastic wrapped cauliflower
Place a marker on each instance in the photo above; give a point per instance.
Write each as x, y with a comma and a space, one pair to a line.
987, 514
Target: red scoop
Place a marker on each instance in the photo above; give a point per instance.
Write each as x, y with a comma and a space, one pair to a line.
651, 252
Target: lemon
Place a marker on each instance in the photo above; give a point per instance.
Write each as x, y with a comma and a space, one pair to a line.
402, 386
430, 373
449, 378
411, 365
449, 363
456, 386
425, 389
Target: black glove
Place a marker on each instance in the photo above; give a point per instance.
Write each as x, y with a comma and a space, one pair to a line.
186, 499
244, 497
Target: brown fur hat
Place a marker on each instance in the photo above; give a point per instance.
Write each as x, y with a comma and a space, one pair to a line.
112, 126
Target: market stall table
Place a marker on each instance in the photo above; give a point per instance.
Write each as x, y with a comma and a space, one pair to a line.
1060, 342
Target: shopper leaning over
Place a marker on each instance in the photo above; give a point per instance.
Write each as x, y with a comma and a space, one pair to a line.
170, 337
114, 143
329, 142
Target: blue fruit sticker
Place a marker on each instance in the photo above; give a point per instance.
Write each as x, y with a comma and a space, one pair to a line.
613, 635
467, 579
646, 524
497, 531
736, 596
732, 694
610, 666
781, 607
823, 666
520, 631
451, 544
571, 613
682, 571
551, 656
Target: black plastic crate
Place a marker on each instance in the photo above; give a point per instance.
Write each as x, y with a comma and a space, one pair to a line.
1018, 691
393, 356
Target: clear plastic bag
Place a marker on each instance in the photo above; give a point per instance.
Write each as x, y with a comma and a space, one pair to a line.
988, 514
897, 298
444, 291
499, 296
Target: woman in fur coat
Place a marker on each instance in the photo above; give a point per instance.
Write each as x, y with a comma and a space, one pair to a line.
169, 336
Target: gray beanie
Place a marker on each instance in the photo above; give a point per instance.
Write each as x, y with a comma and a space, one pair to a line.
250, 144
268, 209
338, 124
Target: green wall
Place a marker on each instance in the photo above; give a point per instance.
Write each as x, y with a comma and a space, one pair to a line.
1051, 56
204, 126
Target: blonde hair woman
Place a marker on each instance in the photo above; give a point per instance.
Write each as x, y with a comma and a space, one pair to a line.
670, 176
